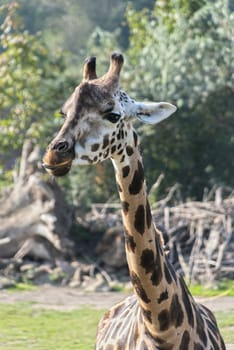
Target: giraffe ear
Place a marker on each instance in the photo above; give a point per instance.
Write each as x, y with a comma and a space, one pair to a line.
152, 112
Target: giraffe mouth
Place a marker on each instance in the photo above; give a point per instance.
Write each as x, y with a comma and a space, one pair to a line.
58, 164
58, 169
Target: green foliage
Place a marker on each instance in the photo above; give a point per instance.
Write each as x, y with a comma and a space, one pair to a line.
167, 10
90, 184
100, 44
31, 86
188, 61
68, 24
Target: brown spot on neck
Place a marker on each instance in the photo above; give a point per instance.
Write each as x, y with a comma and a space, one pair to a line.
139, 221
94, 147
125, 207
125, 171
129, 151
163, 296
139, 288
105, 141
138, 180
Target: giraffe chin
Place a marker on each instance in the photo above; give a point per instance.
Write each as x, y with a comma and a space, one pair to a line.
58, 169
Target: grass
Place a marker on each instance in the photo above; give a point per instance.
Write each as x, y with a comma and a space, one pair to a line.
23, 326
26, 327
226, 324
22, 287
223, 288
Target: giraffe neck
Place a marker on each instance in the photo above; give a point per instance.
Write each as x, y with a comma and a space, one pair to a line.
153, 278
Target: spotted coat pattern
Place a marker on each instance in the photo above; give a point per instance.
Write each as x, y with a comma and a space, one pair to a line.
162, 314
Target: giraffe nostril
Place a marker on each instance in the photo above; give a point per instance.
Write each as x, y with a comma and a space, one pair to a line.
61, 146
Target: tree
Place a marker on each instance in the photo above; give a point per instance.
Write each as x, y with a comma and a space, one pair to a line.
31, 87
188, 61
69, 24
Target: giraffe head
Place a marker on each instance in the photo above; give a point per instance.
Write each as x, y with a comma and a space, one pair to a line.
98, 120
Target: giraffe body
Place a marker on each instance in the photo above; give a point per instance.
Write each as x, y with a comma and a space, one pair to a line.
123, 327
162, 314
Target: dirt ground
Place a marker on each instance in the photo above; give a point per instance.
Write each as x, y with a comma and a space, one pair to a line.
66, 299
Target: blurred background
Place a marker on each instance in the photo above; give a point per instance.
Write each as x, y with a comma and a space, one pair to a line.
179, 51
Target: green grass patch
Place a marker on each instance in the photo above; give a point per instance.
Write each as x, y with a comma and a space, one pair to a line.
22, 287
223, 288
25, 327
226, 324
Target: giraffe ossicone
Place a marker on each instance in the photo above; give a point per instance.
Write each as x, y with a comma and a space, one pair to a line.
98, 125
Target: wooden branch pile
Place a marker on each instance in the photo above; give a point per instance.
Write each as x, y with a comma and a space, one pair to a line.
199, 235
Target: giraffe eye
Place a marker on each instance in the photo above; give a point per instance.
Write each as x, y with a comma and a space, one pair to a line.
112, 117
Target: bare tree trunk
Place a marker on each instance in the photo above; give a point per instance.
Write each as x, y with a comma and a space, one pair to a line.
35, 218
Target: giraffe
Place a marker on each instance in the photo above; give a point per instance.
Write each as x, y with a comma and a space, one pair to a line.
161, 314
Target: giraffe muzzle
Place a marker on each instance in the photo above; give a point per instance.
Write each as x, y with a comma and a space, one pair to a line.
58, 161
